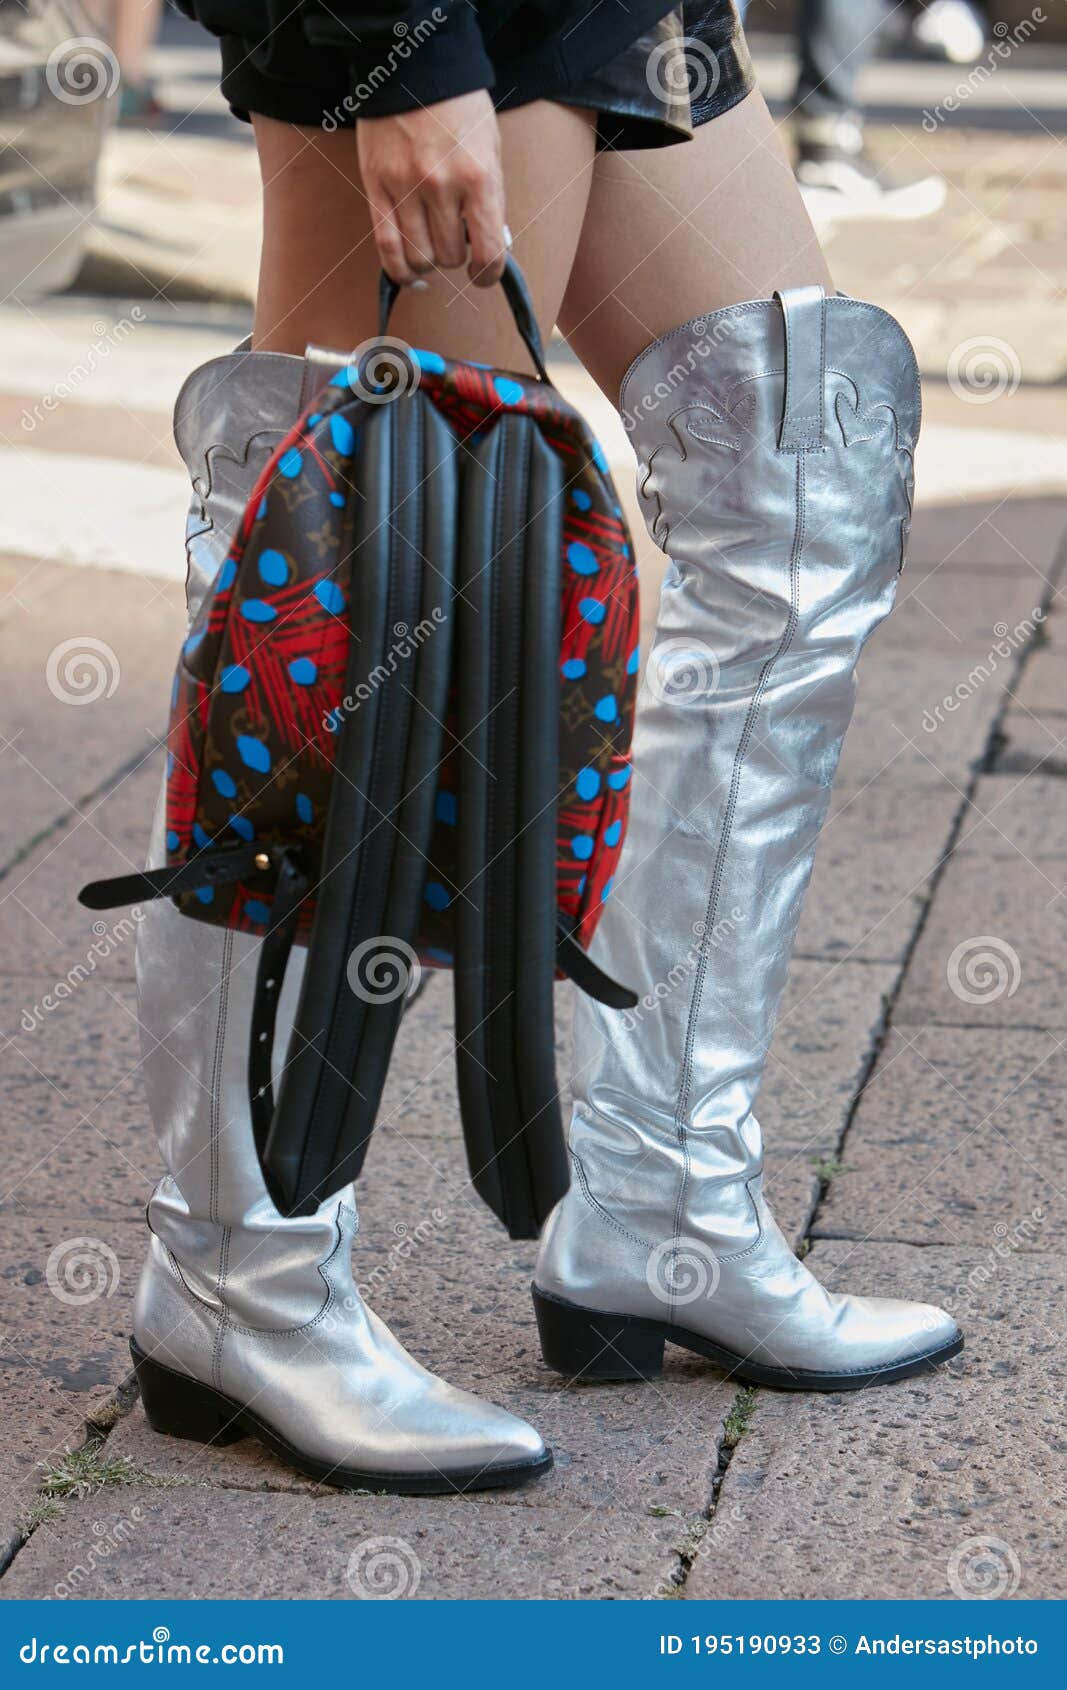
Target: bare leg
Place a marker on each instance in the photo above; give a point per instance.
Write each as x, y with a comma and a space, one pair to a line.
319, 271
683, 231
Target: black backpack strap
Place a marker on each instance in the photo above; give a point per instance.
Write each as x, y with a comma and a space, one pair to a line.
381, 807
508, 707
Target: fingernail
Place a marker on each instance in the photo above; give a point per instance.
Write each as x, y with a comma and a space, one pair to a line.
508, 242
418, 285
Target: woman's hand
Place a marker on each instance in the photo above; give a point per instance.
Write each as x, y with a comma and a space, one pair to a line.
435, 185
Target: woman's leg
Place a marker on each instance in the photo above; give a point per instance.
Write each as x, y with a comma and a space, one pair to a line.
318, 277
774, 441
707, 223
232, 1306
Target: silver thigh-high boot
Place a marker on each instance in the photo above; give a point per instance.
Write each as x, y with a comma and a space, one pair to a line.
775, 443
245, 1322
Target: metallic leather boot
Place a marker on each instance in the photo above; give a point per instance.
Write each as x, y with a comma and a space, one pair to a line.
775, 444
246, 1323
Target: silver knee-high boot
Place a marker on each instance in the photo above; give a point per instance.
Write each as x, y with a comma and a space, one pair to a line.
245, 1322
775, 443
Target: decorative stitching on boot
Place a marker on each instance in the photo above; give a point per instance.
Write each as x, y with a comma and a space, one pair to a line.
599, 1209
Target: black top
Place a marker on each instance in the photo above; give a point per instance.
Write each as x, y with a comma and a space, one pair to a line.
401, 54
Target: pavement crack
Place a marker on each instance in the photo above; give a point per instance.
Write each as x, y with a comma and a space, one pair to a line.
63, 821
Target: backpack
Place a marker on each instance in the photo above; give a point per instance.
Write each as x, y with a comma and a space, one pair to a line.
400, 734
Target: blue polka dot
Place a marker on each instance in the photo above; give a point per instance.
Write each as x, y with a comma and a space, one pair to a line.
592, 611
436, 955
431, 362
445, 808
330, 597
302, 671
291, 463
633, 662
606, 709
436, 895
316, 416
227, 575
606, 894
510, 392
273, 568
347, 377
588, 784
257, 610
581, 884
242, 826
192, 642
598, 457
574, 669
170, 764
200, 838
253, 753
612, 835
234, 678
618, 779
342, 434
256, 910
206, 894
581, 498
582, 846
172, 841
262, 511
305, 809
581, 559
337, 498
224, 784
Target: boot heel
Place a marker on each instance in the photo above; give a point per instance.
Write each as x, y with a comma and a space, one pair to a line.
584, 1344
183, 1408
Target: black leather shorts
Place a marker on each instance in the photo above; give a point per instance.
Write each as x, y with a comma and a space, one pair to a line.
689, 67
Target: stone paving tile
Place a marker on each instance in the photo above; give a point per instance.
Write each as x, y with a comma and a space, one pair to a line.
66, 1289
991, 953
1033, 745
126, 630
46, 930
74, 1129
830, 1016
194, 1544
958, 1140
889, 1491
897, 733
874, 860
1014, 815
1000, 533
1040, 686
934, 610
37, 1419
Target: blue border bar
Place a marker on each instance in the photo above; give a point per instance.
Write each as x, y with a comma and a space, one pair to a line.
535, 1645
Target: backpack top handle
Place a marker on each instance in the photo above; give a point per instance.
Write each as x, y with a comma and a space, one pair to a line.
517, 295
